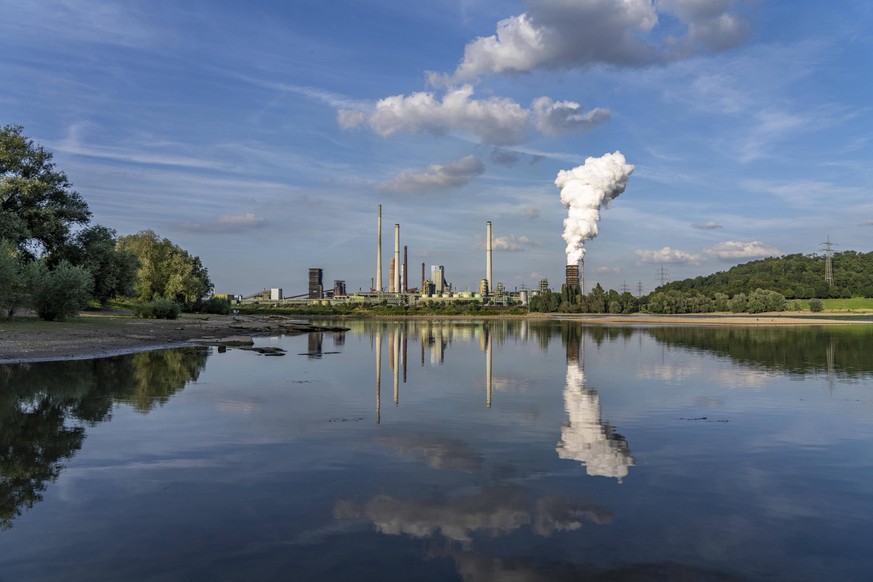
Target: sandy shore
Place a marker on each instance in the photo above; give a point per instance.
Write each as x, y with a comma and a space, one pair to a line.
98, 335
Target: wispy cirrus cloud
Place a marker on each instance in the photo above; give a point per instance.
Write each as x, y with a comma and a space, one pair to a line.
226, 223
710, 225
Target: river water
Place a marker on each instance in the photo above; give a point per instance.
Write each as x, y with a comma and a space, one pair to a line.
505, 450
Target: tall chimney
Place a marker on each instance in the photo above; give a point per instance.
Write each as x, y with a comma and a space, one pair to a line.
582, 276
397, 258
379, 250
572, 279
423, 279
405, 269
488, 255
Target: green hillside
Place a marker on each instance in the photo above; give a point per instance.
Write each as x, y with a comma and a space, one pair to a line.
794, 276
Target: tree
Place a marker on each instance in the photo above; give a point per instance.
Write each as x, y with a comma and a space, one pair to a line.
113, 269
38, 206
165, 269
12, 280
61, 292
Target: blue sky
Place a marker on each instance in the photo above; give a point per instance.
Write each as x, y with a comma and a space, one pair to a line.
260, 136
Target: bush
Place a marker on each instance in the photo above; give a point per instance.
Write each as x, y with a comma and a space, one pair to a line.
816, 305
59, 293
158, 308
214, 305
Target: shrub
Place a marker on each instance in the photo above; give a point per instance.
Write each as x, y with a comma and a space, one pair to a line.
816, 305
59, 293
158, 308
214, 305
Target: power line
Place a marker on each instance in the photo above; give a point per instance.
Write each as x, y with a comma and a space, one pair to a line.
663, 277
829, 251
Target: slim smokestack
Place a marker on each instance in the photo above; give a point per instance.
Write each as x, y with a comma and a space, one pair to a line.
488, 254
422, 278
397, 258
379, 250
405, 269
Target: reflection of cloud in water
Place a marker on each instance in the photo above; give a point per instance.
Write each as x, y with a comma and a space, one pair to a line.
440, 452
494, 511
603, 452
729, 378
236, 407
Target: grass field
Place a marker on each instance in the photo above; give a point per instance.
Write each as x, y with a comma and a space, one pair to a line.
855, 304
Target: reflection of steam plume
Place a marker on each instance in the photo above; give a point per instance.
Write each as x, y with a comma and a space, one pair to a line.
584, 191
586, 438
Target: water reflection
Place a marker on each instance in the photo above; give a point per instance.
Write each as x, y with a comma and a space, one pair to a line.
39, 402
842, 351
586, 438
492, 511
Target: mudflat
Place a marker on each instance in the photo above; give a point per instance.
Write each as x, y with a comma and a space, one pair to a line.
97, 335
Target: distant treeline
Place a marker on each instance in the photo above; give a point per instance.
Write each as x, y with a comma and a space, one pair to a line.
793, 276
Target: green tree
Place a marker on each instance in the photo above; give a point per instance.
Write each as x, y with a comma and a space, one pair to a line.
113, 269
12, 279
165, 269
38, 206
61, 292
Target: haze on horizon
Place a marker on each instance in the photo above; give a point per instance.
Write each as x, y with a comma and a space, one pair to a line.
262, 137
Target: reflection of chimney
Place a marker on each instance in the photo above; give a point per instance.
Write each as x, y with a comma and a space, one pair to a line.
488, 381
378, 378
379, 250
396, 356
488, 255
397, 258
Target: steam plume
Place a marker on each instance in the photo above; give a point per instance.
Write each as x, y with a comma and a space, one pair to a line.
584, 191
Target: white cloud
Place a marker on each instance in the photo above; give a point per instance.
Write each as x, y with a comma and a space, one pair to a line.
742, 250
512, 243
436, 177
227, 223
667, 255
555, 118
710, 225
497, 121
559, 34
531, 212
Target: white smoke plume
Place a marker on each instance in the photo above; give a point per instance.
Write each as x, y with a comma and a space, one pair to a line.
584, 191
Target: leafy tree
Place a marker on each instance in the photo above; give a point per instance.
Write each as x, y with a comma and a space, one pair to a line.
165, 269
59, 293
12, 279
113, 269
38, 206
816, 305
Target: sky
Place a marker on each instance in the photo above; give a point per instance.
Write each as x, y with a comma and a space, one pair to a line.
261, 136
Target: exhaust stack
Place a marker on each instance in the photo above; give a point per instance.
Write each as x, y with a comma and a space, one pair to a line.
378, 287
488, 255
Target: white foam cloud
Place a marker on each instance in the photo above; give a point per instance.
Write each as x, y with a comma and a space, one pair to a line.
436, 177
559, 34
496, 121
512, 243
667, 255
556, 118
742, 250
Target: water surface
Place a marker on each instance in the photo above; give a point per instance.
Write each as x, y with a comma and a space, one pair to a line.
447, 451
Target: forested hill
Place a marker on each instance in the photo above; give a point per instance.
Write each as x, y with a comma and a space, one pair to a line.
794, 276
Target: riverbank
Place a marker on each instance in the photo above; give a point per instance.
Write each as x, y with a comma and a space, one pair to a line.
95, 335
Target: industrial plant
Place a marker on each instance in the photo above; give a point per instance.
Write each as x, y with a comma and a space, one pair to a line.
430, 286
